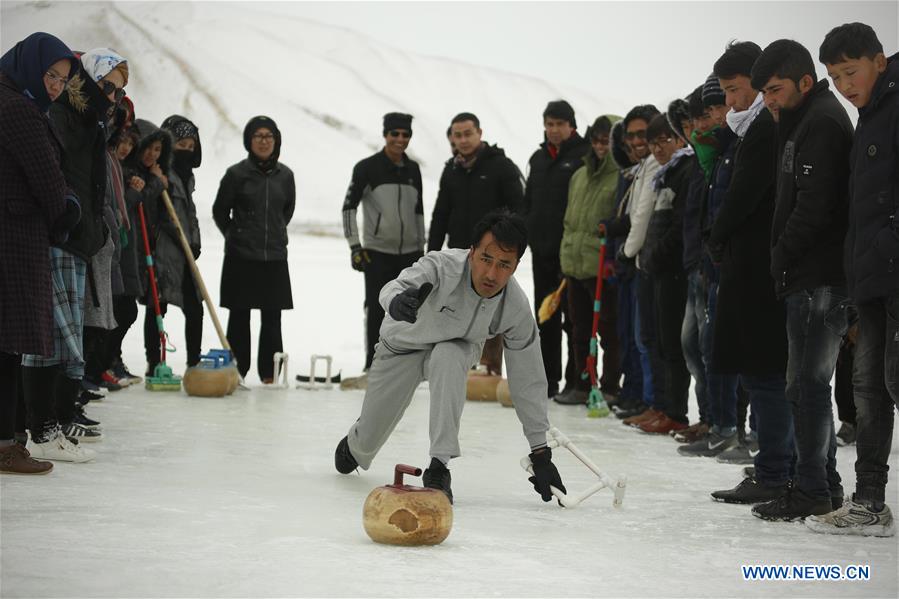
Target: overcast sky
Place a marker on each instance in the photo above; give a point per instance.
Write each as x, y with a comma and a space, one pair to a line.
633, 51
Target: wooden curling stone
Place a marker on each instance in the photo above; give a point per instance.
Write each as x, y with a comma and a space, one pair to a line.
503, 395
401, 514
208, 382
482, 387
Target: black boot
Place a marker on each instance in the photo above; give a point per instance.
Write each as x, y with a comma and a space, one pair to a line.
343, 459
438, 477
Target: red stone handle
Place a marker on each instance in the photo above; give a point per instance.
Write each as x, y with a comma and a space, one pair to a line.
402, 469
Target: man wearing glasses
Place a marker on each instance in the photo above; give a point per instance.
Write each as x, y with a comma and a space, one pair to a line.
388, 184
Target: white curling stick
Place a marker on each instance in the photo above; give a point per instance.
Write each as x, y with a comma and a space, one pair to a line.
558, 439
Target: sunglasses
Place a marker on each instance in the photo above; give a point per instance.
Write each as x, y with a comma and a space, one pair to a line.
641, 134
109, 88
396, 133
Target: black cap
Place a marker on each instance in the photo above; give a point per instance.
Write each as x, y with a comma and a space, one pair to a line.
397, 120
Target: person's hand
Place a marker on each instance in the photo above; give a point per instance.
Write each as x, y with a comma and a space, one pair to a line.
601, 229
608, 269
136, 183
156, 170
359, 258
623, 258
852, 335
545, 473
405, 305
63, 225
715, 253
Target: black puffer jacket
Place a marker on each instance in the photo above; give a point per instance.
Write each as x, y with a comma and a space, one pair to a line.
546, 193
872, 243
466, 195
811, 210
79, 118
252, 210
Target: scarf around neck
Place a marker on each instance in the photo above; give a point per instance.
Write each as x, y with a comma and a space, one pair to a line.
739, 122
659, 175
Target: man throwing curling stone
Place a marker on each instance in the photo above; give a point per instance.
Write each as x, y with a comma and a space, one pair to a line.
440, 311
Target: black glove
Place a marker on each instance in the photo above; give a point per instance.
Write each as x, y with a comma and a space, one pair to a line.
359, 258
545, 474
405, 305
63, 225
623, 259
195, 250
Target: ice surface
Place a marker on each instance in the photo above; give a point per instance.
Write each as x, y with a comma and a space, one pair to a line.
238, 497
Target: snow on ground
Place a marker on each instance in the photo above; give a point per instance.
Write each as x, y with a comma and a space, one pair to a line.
238, 497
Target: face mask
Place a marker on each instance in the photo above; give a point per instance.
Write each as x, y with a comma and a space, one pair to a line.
183, 160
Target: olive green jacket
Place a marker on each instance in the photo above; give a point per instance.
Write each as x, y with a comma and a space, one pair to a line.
591, 198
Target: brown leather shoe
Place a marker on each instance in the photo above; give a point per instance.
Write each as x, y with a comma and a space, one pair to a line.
15, 459
662, 425
692, 433
649, 414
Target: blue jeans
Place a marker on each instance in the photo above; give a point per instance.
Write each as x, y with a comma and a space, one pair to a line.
722, 388
876, 383
644, 333
692, 334
816, 324
773, 426
632, 387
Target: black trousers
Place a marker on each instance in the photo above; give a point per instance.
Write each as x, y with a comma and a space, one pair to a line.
193, 324
269, 341
95, 340
382, 269
41, 402
842, 389
547, 277
125, 310
9, 395
581, 297
670, 305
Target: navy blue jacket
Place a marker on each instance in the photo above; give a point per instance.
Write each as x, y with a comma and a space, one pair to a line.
872, 242
715, 193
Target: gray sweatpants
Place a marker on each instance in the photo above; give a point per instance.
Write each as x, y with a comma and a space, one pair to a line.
392, 381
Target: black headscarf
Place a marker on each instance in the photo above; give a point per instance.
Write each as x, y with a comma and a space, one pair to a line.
28, 61
256, 123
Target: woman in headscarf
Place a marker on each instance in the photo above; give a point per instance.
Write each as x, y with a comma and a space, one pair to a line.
35, 207
80, 117
255, 202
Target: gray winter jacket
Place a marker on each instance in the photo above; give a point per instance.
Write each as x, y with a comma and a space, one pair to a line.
393, 214
454, 311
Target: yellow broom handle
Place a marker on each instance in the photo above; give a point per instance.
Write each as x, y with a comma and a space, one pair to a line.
188, 253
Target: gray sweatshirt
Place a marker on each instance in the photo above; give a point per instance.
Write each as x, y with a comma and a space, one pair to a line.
454, 311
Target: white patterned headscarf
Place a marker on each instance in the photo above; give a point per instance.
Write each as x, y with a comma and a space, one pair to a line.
100, 62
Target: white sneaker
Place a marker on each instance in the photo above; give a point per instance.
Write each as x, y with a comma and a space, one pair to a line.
854, 519
60, 449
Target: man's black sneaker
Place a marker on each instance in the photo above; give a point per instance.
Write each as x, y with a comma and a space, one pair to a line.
437, 476
343, 459
749, 491
81, 418
795, 504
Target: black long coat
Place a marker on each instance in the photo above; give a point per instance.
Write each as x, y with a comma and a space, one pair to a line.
750, 323
32, 192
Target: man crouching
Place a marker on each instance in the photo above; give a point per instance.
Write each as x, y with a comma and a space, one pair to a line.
440, 311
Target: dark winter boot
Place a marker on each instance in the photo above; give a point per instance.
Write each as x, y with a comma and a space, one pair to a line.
795, 504
437, 476
749, 491
343, 459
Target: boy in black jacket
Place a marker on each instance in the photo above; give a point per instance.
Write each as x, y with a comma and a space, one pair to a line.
863, 75
814, 136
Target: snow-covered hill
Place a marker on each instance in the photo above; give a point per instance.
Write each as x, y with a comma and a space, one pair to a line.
221, 63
